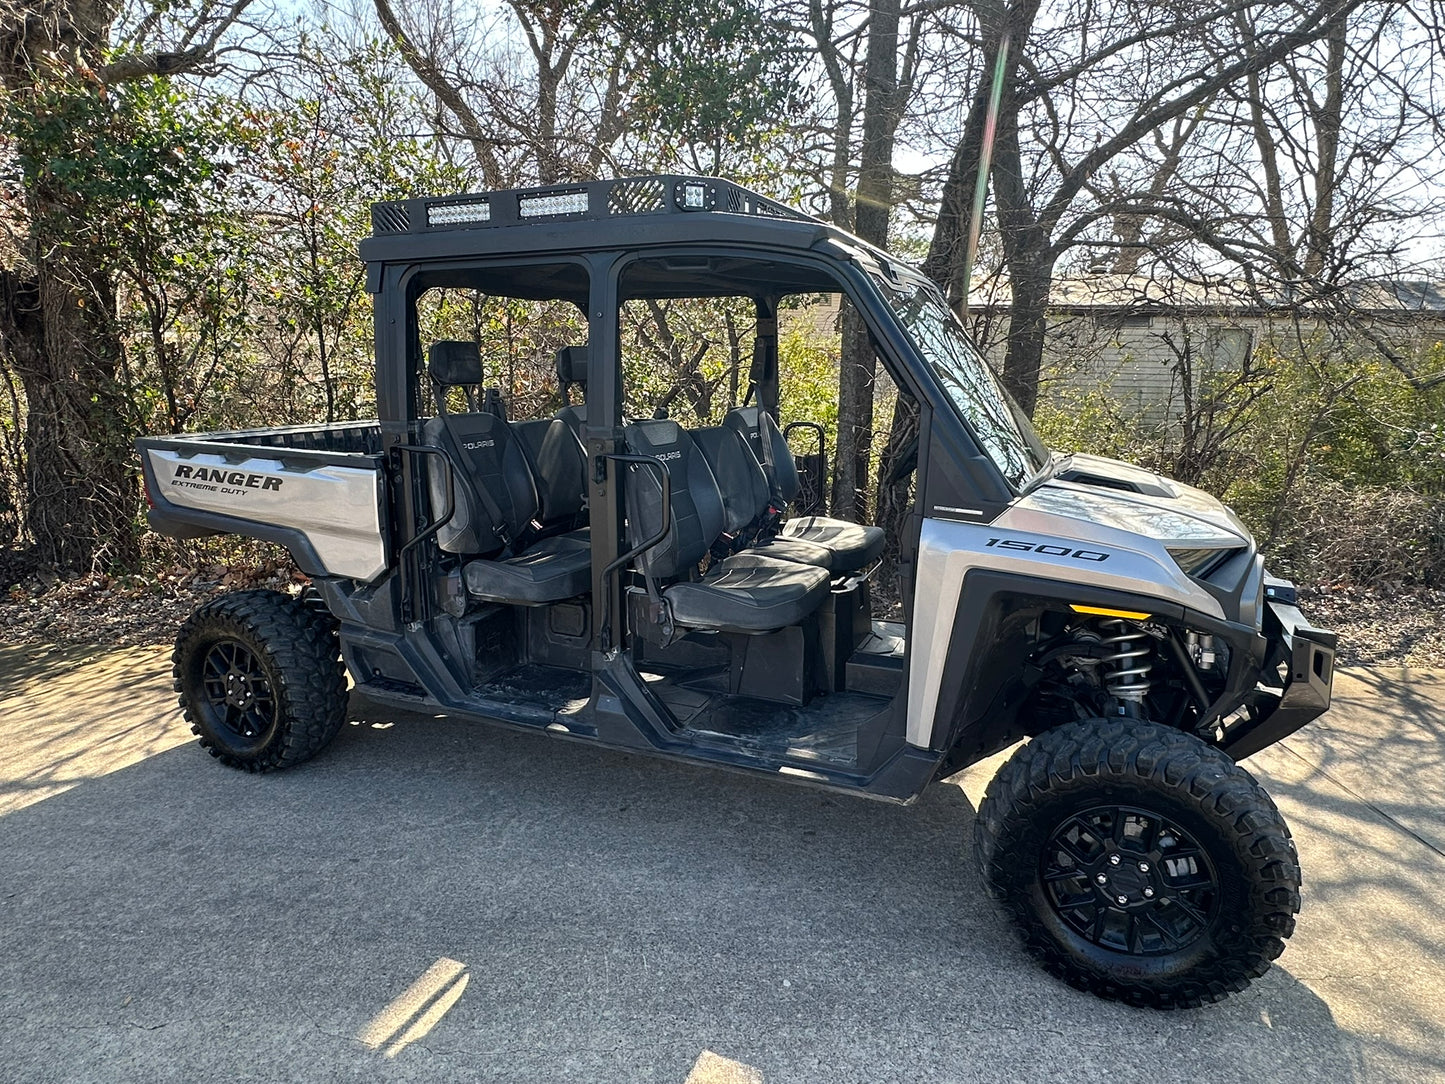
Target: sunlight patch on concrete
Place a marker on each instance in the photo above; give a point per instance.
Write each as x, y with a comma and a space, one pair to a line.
413, 1013
80, 715
974, 779
713, 1068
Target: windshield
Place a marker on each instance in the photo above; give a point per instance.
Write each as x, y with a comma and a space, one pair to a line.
1004, 431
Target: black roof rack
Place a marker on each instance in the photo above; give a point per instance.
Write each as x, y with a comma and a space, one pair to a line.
594, 200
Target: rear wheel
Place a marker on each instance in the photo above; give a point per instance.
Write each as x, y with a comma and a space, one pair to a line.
260, 679
1139, 863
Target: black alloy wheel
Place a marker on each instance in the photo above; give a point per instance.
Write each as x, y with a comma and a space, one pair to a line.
261, 679
1138, 862
1126, 879
238, 694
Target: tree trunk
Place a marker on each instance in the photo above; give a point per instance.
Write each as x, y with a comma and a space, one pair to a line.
59, 333
857, 371
1328, 119
947, 250
858, 365
1030, 259
80, 494
1028, 323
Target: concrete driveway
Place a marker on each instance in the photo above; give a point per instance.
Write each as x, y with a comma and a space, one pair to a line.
436, 901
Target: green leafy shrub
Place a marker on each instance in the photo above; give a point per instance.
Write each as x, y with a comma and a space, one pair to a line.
1334, 459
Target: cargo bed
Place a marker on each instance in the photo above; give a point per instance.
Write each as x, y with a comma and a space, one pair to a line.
319, 490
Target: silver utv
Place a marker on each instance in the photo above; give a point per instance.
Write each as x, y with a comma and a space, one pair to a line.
637, 583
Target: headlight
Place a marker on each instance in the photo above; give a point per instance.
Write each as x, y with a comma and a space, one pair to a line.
1200, 561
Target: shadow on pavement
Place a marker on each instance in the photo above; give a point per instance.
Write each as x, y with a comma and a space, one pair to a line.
612, 917
1363, 789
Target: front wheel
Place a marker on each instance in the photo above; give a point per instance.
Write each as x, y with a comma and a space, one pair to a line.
1139, 863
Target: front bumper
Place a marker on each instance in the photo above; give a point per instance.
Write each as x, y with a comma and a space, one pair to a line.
1300, 656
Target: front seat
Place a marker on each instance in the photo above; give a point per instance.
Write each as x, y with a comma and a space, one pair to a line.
746, 593
746, 502
850, 546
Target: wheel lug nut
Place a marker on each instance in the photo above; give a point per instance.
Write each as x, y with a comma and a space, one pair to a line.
1122, 900
1143, 867
1101, 879
1113, 859
1148, 893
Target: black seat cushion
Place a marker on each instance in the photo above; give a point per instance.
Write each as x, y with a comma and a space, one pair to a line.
559, 468
748, 593
800, 550
851, 545
552, 569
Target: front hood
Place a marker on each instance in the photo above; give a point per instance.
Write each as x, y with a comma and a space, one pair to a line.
1124, 497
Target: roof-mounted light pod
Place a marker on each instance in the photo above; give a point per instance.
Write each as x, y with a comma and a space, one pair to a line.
695, 196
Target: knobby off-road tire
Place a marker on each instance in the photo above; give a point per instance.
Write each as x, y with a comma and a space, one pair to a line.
261, 679
1139, 863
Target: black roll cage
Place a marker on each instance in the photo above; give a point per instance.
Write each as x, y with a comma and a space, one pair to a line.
952, 471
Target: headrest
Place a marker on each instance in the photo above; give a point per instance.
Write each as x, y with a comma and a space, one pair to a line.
646, 438
455, 361
743, 417
572, 365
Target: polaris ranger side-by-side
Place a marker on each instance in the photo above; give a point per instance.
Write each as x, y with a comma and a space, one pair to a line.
633, 583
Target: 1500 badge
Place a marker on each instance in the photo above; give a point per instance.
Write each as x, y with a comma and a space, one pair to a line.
1047, 549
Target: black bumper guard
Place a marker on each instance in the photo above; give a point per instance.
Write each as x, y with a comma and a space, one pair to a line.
1309, 655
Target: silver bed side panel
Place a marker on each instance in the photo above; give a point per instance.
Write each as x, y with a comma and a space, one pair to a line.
338, 509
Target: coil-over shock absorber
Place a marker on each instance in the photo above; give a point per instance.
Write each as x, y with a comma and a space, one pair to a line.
1126, 666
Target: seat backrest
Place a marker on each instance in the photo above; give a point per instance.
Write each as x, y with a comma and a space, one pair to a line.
572, 369
738, 473
574, 417
495, 496
559, 468
697, 507
768, 444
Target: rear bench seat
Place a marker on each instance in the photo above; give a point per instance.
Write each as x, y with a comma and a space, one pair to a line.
498, 506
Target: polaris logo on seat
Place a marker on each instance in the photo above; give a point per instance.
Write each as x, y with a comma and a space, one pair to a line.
665, 456
473, 445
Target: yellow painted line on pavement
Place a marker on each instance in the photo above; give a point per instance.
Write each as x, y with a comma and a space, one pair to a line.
418, 1008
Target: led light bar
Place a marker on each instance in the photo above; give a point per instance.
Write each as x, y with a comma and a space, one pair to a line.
456, 214
553, 203
575, 201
